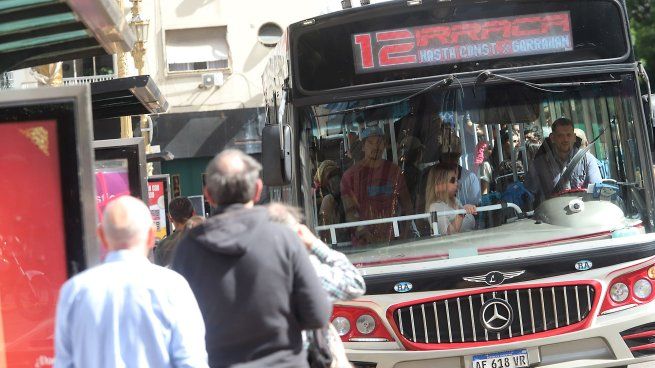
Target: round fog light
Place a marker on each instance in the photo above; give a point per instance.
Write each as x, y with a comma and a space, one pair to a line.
342, 325
619, 292
365, 324
642, 288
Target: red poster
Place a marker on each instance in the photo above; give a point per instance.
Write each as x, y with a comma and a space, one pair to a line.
32, 242
157, 205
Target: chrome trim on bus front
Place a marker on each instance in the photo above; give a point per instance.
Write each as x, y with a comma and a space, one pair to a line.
549, 316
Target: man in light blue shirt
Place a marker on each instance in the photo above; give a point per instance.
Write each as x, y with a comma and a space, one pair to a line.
128, 312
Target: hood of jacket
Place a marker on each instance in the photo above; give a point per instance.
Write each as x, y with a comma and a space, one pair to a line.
227, 231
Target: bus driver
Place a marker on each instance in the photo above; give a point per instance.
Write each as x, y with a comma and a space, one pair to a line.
554, 156
374, 188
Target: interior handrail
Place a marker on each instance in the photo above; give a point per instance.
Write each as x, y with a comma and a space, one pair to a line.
428, 215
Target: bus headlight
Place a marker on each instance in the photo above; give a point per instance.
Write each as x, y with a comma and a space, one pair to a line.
342, 325
365, 324
619, 292
642, 288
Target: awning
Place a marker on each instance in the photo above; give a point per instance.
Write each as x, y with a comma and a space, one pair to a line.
205, 133
37, 32
126, 97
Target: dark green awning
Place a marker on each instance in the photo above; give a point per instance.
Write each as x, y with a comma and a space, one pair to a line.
127, 97
37, 32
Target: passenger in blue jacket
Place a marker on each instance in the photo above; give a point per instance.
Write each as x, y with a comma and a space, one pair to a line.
254, 283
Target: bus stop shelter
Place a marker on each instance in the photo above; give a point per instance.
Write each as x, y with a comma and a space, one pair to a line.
37, 32
49, 128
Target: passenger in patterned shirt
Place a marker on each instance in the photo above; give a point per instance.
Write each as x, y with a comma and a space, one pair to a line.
374, 188
340, 279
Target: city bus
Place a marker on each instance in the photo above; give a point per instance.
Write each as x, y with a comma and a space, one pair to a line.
370, 109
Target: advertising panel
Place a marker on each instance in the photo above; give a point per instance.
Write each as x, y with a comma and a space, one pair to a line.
111, 181
47, 231
32, 238
158, 198
198, 203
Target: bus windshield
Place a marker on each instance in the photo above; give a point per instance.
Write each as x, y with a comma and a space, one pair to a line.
471, 170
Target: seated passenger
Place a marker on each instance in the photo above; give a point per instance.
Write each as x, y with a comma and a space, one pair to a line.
468, 184
580, 134
410, 152
483, 167
504, 175
328, 178
533, 134
441, 195
553, 157
374, 188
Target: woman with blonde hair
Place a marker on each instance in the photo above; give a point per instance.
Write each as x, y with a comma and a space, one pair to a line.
441, 195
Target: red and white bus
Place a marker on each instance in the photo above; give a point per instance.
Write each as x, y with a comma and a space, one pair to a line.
565, 280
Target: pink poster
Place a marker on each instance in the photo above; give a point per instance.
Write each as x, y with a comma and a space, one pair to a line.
111, 181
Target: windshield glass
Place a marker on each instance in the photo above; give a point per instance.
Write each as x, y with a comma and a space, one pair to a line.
465, 171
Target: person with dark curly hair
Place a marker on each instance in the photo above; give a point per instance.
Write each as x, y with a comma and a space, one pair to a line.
180, 209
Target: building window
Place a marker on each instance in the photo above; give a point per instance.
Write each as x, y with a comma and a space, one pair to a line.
99, 65
269, 34
197, 49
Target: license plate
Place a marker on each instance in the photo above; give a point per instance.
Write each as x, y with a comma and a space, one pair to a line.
505, 359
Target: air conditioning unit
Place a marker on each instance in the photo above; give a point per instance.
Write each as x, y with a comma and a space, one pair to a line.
211, 80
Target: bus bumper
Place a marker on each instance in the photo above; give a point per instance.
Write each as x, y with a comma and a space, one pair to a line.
599, 345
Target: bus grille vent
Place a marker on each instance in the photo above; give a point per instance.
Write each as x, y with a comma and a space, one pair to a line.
640, 340
458, 320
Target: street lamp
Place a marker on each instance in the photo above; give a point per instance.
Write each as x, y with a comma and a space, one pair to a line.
140, 27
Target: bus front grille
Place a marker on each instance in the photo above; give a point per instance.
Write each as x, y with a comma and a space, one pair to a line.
459, 320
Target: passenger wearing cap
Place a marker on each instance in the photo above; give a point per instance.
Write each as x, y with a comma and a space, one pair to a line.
374, 188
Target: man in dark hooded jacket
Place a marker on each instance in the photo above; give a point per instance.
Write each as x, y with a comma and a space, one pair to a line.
252, 278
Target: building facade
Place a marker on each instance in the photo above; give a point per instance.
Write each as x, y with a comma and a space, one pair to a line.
207, 57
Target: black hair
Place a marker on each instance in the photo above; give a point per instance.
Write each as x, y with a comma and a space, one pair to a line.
561, 122
180, 209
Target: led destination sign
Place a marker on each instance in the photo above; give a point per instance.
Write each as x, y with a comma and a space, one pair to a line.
450, 43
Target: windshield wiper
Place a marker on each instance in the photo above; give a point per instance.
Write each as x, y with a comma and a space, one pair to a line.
487, 75
440, 83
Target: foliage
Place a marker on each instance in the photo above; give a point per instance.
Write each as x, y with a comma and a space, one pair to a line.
642, 24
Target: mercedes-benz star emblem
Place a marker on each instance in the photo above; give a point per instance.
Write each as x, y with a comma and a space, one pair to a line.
494, 277
496, 315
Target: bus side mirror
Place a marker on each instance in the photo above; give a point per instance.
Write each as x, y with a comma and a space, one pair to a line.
276, 155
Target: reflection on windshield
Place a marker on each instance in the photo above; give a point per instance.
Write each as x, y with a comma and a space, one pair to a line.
486, 168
